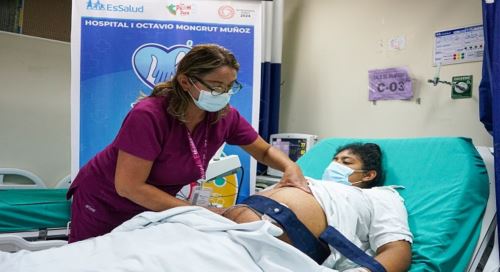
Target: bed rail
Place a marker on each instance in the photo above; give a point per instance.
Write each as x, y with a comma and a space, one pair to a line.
36, 182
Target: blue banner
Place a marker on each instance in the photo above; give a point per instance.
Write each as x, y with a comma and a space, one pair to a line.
123, 48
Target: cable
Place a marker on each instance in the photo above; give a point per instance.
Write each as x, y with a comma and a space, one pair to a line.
263, 171
239, 185
181, 194
230, 183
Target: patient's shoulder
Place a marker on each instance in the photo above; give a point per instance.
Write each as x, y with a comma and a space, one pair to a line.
386, 200
389, 193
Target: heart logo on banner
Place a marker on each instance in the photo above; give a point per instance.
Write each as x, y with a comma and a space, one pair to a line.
154, 63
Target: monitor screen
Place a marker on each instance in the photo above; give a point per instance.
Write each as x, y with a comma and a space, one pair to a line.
292, 147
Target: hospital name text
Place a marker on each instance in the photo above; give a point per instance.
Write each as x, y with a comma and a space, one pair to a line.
167, 26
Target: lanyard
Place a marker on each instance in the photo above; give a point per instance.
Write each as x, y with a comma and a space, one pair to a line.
199, 160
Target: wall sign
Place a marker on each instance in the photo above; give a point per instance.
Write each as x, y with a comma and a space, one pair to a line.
459, 45
389, 84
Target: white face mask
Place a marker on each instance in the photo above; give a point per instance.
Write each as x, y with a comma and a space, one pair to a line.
212, 103
209, 102
339, 173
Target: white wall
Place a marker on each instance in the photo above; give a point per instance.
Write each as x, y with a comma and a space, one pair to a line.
35, 106
329, 46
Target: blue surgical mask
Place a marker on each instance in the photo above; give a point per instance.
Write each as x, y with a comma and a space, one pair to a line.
212, 103
339, 173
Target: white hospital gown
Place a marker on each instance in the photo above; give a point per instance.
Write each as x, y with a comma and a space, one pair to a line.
369, 218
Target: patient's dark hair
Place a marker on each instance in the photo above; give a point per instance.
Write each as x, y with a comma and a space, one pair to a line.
371, 156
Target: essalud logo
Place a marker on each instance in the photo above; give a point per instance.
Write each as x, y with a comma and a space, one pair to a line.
95, 6
98, 5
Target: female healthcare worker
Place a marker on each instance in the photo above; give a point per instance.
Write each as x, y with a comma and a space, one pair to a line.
166, 142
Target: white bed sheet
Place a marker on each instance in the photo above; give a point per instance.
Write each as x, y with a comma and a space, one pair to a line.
180, 239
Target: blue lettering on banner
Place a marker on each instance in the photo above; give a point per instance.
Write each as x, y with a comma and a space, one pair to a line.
99, 6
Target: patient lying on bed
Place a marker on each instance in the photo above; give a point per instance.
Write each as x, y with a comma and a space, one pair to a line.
373, 219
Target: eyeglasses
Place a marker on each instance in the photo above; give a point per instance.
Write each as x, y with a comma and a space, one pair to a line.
233, 89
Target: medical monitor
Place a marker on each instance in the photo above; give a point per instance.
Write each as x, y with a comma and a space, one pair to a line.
292, 144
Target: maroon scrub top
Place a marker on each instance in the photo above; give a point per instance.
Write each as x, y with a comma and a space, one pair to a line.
150, 133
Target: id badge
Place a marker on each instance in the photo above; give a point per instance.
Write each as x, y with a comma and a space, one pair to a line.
201, 196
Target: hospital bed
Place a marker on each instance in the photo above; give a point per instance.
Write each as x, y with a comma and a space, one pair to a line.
35, 217
32, 216
448, 193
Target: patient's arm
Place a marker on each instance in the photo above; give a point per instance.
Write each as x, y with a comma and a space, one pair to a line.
395, 256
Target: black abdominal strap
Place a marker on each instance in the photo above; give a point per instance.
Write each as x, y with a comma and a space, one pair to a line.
305, 241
